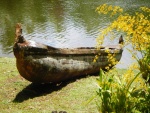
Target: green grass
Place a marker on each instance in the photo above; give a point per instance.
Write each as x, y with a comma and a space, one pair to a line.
20, 96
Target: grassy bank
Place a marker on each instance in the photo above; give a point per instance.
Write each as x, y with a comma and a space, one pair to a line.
20, 96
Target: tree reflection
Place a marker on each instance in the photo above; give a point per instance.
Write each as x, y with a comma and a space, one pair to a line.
30, 13
52, 19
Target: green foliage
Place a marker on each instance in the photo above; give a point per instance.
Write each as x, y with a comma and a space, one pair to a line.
118, 96
128, 93
144, 64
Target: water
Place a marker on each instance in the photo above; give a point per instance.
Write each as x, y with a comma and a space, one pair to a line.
58, 23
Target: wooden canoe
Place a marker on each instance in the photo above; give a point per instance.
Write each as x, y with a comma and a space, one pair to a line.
41, 63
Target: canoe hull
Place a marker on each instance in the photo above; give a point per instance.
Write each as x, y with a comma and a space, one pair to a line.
45, 69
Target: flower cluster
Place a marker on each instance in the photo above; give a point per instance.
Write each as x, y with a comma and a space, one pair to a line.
145, 9
136, 27
129, 75
112, 61
105, 9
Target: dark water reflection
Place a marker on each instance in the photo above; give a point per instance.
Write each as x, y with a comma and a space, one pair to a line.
59, 23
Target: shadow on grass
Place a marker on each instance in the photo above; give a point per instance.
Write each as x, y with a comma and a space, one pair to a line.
35, 90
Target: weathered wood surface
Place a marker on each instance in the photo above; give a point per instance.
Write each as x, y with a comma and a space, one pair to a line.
42, 64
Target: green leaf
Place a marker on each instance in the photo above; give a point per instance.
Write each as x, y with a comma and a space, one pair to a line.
101, 75
130, 83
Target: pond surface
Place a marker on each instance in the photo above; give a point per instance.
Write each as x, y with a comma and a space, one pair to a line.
58, 23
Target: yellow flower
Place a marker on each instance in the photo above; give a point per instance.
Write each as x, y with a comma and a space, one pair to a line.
107, 50
107, 67
94, 60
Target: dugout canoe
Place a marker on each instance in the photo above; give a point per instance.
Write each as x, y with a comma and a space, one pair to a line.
40, 63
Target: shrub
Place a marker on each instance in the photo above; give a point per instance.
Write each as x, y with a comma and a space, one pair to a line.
128, 92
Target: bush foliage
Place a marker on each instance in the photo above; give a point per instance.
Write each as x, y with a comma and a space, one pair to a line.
129, 92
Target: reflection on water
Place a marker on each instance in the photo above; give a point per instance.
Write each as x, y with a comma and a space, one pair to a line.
59, 23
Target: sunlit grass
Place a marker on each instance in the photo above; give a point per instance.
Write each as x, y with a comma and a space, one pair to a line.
20, 96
